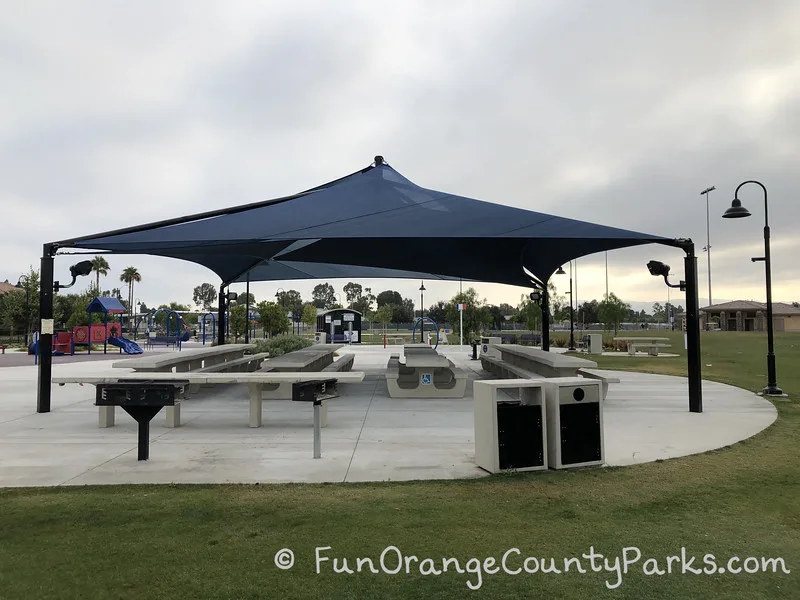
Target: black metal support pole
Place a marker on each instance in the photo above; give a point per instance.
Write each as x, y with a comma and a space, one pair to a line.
221, 317
772, 388
545, 319
45, 339
247, 312
693, 331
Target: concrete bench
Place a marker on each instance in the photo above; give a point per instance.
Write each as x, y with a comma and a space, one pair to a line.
505, 370
652, 349
256, 382
187, 360
246, 364
343, 363
425, 377
544, 364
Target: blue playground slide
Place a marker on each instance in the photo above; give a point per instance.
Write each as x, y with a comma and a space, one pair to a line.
128, 346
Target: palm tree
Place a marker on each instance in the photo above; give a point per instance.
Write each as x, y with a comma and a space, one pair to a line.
129, 276
100, 266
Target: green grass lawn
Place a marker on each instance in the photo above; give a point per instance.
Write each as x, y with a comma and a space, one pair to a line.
220, 541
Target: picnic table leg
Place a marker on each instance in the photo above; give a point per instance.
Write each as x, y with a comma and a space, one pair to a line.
255, 404
631, 349
174, 415
106, 416
653, 351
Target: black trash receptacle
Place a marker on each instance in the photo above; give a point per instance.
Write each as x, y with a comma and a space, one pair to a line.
475, 344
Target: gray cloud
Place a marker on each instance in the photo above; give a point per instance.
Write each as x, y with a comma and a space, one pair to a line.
614, 112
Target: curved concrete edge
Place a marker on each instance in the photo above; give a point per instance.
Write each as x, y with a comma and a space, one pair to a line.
370, 437
653, 412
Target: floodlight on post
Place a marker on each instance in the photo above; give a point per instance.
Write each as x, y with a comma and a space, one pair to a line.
80, 269
737, 211
659, 269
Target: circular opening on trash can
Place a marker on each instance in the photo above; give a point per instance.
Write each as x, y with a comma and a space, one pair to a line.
578, 394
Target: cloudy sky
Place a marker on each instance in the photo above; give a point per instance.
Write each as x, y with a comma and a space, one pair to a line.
617, 112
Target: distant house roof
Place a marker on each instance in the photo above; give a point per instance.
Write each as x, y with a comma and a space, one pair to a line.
6, 287
105, 305
778, 308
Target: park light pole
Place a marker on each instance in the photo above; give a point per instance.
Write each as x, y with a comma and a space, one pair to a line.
23, 281
737, 211
571, 313
421, 310
707, 249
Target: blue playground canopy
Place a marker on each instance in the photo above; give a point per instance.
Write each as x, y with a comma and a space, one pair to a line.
373, 223
105, 305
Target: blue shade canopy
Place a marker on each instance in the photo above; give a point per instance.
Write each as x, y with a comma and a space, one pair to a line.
373, 223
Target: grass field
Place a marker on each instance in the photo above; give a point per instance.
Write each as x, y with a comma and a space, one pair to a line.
220, 541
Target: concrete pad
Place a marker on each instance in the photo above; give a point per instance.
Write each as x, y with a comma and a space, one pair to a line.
370, 437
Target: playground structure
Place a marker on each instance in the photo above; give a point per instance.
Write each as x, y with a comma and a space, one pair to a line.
202, 322
64, 342
174, 338
420, 322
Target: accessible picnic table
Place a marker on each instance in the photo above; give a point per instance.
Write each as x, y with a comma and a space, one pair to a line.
424, 374
644, 341
188, 360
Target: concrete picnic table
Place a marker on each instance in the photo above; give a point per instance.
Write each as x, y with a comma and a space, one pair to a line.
314, 358
546, 364
652, 343
187, 360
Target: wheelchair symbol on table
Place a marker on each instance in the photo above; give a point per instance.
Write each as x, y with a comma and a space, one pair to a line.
426, 379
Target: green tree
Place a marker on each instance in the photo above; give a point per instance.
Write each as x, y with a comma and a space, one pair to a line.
309, 315
12, 310
238, 321
364, 302
205, 295
352, 292
612, 311
323, 296
476, 316
437, 312
100, 267
529, 313
130, 276
272, 318
291, 301
389, 297
383, 315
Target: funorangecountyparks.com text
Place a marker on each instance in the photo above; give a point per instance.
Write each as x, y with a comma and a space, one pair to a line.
515, 562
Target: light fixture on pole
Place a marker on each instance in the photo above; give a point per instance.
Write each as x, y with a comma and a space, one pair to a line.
421, 310
571, 313
737, 211
707, 249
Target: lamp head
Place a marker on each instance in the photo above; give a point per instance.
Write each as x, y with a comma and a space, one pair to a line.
422, 287
81, 269
561, 271
231, 296
657, 268
536, 296
736, 211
